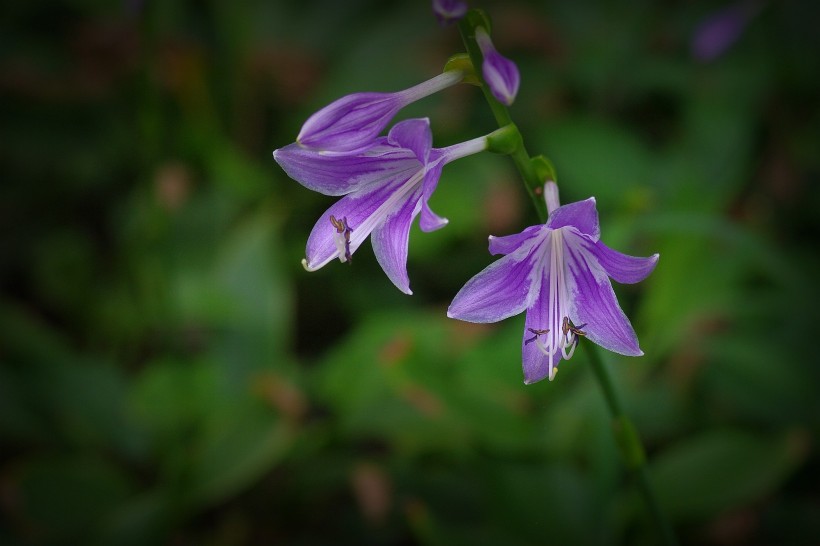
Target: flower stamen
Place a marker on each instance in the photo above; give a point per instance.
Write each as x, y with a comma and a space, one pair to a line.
571, 335
342, 238
535, 337
567, 327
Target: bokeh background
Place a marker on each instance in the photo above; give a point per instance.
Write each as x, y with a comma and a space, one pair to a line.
170, 375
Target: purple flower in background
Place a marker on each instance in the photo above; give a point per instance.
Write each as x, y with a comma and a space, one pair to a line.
500, 73
447, 11
384, 186
559, 274
350, 123
719, 31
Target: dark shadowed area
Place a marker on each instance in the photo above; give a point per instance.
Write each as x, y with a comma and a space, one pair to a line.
169, 374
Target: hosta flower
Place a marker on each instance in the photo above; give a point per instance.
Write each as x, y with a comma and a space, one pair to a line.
350, 123
716, 34
500, 73
559, 274
447, 11
384, 187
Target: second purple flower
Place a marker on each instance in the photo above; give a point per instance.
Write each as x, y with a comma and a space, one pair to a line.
559, 274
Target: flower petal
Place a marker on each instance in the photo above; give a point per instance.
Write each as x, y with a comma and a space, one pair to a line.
595, 304
390, 241
429, 220
357, 208
342, 174
349, 123
510, 243
536, 363
415, 135
504, 288
582, 215
623, 268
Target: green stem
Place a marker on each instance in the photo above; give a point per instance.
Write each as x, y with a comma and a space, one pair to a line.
533, 173
520, 157
629, 442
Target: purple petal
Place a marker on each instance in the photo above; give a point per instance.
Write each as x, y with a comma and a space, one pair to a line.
342, 174
536, 363
349, 123
503, 289
510, 243
430, 221
415, 135
582, 215
623, 268
447, 11
390, 241
595, 304
356, 208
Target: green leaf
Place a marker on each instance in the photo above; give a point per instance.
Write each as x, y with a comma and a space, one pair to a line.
427, 383
723, 470
170, 397
596, 158
49, 393
66, 497
548, 499
236, 451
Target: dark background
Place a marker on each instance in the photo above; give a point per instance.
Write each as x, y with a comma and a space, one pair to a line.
170, 375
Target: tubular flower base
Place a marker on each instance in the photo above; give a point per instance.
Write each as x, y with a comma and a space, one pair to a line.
350, 124
559, 274
384, 186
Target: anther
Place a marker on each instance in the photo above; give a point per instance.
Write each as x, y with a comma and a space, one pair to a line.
572, 341
535, 337
568, 327
343, 229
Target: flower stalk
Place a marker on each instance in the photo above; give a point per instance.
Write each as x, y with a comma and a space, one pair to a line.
629, 442
467, 28
534, 171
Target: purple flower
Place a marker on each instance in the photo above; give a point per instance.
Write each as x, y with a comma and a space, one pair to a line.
447, 11
350, 123
559, 274
384, 186
500, 73
720, 30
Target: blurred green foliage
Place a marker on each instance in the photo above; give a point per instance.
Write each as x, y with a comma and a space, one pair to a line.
170, 374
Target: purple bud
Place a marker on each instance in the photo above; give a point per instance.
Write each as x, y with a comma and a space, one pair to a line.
350, 123
500, 73
448, 11
719, 31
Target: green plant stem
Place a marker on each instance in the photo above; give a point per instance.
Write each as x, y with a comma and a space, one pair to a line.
626, 435
520, 157
629, 442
